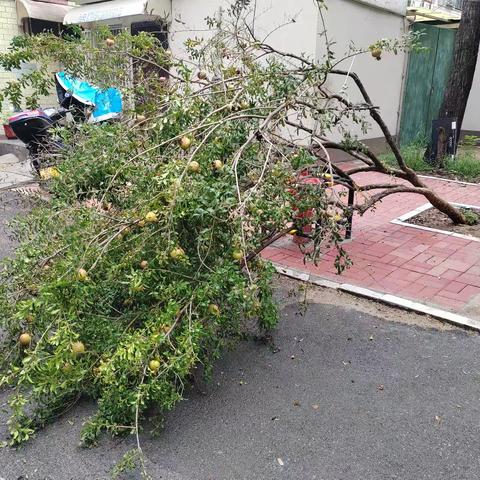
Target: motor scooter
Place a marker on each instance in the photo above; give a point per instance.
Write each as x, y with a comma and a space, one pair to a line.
83, 101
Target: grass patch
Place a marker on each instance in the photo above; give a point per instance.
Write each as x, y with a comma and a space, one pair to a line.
472, 217
413, 156
465, 165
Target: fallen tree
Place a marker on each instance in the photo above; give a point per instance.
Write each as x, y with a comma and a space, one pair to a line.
146, 260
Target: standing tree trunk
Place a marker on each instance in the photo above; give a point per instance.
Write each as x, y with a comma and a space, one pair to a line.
464, 62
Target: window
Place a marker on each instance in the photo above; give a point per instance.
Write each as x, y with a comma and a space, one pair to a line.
158, 30
93, 37
34, 26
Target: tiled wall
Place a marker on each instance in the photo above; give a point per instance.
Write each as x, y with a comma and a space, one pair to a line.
8, 29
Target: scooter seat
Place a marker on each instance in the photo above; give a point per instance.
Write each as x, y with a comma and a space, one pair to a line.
31, 126
29, 114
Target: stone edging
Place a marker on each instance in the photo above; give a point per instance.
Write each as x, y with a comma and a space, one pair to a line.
402, 221
386, 298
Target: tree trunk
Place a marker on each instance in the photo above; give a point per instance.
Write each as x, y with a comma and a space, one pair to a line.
464, 62
455, 215
405, 172
445, 207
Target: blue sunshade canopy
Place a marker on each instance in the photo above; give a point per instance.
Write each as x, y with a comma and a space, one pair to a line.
106, 104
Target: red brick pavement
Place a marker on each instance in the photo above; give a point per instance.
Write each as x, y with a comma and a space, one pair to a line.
427, 267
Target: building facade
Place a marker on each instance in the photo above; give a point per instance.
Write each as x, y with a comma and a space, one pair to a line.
8, 29
29, 17
363, 22
348, 22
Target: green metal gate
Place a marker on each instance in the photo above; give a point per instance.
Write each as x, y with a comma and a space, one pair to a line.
427, 76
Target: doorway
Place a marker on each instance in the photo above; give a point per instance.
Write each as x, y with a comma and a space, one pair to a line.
427, 77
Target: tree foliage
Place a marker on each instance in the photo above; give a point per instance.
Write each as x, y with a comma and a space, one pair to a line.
144, 261
146, 250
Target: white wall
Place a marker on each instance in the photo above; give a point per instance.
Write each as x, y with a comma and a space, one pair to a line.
351, 21
347, 21
188, 20
471, 120
396, 6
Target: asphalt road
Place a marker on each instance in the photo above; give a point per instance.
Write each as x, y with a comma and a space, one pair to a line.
362, 398
349, 396
11, 205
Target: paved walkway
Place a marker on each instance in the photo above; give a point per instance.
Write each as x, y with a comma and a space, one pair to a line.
432, 268
14, 171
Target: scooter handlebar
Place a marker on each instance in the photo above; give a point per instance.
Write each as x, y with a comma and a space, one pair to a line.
59, 114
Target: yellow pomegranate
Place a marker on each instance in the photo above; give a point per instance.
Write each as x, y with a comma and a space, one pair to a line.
377, 53
185, 143
154, 365
177, 253
237, 254
193, 167
25, 339
78, 348
151, 217
82, 275
214, 309
217, 165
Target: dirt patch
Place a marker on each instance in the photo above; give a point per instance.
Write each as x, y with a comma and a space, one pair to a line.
432, 218
294, 291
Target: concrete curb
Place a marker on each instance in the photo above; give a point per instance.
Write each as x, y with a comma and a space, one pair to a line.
386, 298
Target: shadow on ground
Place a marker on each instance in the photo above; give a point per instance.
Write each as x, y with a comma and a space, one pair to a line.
348, 396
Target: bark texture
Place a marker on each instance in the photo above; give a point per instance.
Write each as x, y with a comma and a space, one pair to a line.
464, 62
404, 171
